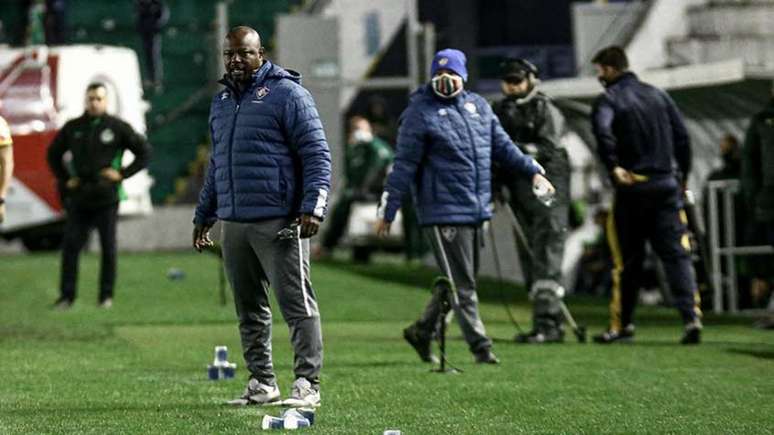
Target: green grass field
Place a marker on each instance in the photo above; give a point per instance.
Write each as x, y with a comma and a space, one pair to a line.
140, 368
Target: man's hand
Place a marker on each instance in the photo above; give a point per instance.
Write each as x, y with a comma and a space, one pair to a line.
541, 184
73, 183
383, 228
201, 237
2, 212
111, 175
622, 176
309, 225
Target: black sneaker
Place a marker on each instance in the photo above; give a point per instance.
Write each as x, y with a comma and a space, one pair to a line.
486, 357
537, 337
63, 304
692, 334
420, 343
625, 335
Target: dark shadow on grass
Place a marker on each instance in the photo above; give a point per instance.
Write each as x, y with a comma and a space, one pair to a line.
587, 310
372, 364
763, 354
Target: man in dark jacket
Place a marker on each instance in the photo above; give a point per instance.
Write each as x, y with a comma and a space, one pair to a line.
758, 190
90, 186
536, 125
639, 134
447, 140
758, 169
270, 169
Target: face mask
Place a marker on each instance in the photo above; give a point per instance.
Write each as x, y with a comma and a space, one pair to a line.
447, 85
362, 136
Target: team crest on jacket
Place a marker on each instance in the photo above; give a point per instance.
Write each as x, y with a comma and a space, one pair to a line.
449, 233
470, 107
261, 92
107, 136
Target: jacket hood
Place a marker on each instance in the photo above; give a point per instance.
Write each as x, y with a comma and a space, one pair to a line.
277, 72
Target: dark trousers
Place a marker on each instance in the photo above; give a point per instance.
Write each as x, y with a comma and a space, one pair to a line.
459, 245
656, 217
151, 44
80, 222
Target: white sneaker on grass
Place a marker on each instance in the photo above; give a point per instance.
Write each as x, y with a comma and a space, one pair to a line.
257, 393
304, 395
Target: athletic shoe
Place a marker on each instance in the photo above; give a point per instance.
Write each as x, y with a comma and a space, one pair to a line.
303, 395
537, 337
692, 334
420, 343
486, 357
625, 335
257, 393
105, 304
63, 304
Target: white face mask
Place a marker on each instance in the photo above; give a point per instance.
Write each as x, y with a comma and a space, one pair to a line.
447, 85
362, 136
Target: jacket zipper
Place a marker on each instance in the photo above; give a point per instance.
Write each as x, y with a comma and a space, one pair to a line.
475, 157
230, 154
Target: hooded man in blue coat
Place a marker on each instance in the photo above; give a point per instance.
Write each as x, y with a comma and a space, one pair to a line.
270, 169
446, 142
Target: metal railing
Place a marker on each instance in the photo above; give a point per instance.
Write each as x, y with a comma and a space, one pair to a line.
726, 251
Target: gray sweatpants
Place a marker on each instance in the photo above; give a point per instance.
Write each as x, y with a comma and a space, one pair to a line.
254, 260
461, 245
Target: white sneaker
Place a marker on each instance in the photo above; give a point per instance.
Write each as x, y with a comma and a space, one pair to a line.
257, 393
303, 395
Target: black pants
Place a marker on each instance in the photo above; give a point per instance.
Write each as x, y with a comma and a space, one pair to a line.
151, 44
656, 217
80, 222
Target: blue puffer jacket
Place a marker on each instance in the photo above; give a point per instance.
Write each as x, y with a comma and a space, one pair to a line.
269, 153
444, 156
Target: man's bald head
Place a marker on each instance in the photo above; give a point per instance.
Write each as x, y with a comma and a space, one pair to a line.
244, 34
242, 53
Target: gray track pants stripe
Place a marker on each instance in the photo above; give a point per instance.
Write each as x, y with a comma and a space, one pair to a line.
254, 260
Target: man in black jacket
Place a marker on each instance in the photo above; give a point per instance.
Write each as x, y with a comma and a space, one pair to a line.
639, 134
90, 186
758, 170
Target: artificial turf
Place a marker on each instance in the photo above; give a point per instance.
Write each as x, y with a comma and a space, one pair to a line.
140, 367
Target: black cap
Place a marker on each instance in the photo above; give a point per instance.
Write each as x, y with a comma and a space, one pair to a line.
517, 68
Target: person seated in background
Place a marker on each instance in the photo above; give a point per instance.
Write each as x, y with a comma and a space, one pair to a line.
367, 159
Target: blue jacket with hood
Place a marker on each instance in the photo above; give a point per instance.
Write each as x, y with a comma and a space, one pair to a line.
444, 156
269, 154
